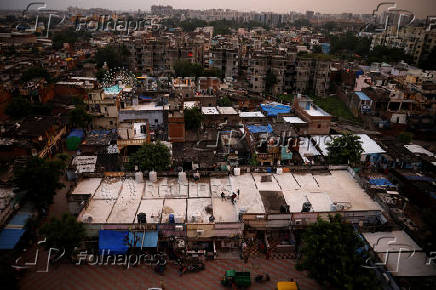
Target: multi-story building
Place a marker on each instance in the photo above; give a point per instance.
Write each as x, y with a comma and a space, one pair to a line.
225, 59
416, 41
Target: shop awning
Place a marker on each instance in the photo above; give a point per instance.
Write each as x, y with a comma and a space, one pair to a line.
138, 240
113, 242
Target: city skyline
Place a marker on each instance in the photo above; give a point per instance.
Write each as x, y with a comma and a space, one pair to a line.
421, 8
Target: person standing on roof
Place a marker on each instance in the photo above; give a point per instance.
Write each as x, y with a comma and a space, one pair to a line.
233, 198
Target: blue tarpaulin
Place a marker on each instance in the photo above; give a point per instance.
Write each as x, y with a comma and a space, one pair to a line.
419, 178
19, 219
145, 98
137, 239
362, 96
76, 133
259, 129
9, 238
273, 109
380, 182
113, 242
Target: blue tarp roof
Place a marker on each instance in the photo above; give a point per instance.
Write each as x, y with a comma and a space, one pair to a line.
273, 109
76, 133
9, 238
419, 178
20, 219
362, 96
145, 98
137, 239
115, 241
380, 182
260, 129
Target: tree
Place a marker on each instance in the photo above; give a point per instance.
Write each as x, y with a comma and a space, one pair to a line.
35, 72
114, 56
428, 62
64, 233
333, 253
193, 118
270, 81
405, 137
317, 49
151, 157
187, 69
39, 180
345, 149
224, 102
79, 118
19, 107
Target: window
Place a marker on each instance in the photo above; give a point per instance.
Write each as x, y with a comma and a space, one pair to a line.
319, 126
156, 120
111, 123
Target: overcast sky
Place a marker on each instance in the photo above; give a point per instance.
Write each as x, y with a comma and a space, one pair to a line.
421, 8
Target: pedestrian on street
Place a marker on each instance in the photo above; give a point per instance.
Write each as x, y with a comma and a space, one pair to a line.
223, 196
238, 192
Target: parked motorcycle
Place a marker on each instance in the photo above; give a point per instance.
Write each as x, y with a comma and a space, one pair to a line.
262, 278
194, 267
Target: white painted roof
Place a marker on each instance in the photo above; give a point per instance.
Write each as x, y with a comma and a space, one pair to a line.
189, 104
256, 114
418, 149
383, 242
210, 111
369, 146
118, 200
293, 120
227, 110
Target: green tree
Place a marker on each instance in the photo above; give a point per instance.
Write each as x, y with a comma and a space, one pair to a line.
270, 81
193, 118
114, 56
187, 69
79, 118
317, 49
64, 233
224, 102
389, 55
333, 254
19, 107
345, 149
100, 74
428, 62
35, 72
405, 137
153, 156
39, 180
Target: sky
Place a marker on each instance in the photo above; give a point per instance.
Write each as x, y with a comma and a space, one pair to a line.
421, 8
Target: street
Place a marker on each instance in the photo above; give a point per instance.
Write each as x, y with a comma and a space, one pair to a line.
68, 276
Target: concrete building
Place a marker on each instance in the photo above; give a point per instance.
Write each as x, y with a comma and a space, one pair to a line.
318, 121
225, 59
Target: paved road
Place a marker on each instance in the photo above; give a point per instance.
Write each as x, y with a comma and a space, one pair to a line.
68, 276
